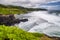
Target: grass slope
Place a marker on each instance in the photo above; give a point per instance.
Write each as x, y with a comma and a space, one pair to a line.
14, 33
11, 10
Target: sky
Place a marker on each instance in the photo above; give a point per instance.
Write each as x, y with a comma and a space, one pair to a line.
27, 3
51, 5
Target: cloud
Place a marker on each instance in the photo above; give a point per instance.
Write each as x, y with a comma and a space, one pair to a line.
25, 3
51, 5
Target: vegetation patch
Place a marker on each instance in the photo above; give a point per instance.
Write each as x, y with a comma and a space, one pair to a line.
11, 11
15, 33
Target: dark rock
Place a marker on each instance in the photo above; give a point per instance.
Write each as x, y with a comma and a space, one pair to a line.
7, 20
11, 17
24, 20
10, 20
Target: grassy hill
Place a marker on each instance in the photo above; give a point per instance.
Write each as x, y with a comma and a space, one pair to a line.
6, 9
10, 9
15, 33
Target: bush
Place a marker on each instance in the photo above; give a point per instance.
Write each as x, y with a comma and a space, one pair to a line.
14, 33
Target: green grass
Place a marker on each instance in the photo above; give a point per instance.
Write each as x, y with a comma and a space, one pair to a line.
15, 33
12, 11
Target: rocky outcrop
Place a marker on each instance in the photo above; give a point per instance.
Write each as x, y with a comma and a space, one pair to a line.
9, 20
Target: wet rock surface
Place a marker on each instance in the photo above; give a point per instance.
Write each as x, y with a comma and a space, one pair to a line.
24, 20
9, 20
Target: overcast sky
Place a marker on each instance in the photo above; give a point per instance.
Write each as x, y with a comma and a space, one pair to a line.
26, 3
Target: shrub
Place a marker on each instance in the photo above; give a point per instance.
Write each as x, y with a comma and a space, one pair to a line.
14, 33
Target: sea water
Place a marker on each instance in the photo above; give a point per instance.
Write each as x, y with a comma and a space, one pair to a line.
42, 22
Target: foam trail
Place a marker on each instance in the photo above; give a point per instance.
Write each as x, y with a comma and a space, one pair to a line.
41, 21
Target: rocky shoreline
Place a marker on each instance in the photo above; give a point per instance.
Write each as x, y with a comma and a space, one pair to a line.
46, 37
9, 20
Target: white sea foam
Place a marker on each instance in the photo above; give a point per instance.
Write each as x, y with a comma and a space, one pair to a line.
41, 21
